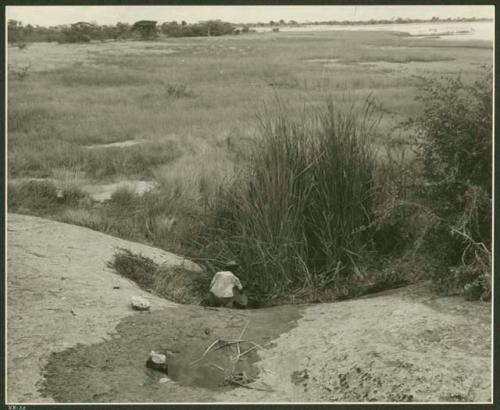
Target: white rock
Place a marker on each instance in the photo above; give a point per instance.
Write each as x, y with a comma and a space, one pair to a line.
139, 303
164, 380
157, 358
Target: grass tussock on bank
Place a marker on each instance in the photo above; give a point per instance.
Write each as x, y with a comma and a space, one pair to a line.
174, 283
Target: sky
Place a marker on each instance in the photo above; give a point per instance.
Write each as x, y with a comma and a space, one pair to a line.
54, 15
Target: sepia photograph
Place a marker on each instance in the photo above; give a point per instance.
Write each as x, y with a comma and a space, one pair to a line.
237, 204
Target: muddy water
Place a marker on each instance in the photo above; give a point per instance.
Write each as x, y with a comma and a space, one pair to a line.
115, 370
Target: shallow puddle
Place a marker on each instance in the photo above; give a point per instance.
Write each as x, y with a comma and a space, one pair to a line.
115, 370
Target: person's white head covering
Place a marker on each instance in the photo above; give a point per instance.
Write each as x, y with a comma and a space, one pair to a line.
223, 283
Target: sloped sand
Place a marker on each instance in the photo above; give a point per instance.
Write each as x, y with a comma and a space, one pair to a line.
73, 338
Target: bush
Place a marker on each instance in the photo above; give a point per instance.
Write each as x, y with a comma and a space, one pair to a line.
294, 219
454, 139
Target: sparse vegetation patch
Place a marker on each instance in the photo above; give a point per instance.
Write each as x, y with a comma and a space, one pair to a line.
173, 283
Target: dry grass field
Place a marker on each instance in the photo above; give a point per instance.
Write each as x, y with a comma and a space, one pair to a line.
199, 97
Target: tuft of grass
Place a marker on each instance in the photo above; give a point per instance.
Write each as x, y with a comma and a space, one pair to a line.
32, 194
86, 217
123, 198
173, 283
72, 195
43, 196
177, 91
138, 268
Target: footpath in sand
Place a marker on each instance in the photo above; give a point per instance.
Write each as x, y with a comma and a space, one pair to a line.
72, 336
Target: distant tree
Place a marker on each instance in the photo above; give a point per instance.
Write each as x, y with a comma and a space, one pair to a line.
171, 29
122, 30
81, 32
15, 31
146, 29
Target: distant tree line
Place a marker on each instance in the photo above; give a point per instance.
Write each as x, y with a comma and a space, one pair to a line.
398, 20
206, 28
146, 30
82, 32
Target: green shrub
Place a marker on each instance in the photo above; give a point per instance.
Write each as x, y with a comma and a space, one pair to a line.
454, 138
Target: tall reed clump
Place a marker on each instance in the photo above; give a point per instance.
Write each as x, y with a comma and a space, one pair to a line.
298, 215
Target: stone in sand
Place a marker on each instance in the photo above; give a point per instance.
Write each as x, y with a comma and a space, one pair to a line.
139, 303
157, 361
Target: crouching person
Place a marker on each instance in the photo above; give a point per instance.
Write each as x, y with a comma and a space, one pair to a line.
226, 289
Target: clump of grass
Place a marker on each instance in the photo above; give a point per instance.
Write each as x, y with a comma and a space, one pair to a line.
43, 196
178, 91
32, 194
22, 73
123, 198
174, 283
72, 195
89, 218
295, 218
140, 269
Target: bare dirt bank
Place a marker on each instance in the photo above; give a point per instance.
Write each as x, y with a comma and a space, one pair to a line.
72, 337
60, 293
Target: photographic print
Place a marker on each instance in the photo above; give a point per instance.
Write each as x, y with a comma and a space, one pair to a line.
249, 204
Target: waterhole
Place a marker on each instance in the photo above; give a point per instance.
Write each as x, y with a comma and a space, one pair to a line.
115, 370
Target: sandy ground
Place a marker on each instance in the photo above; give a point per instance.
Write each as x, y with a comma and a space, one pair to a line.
72, 337
404, 345
60, 293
